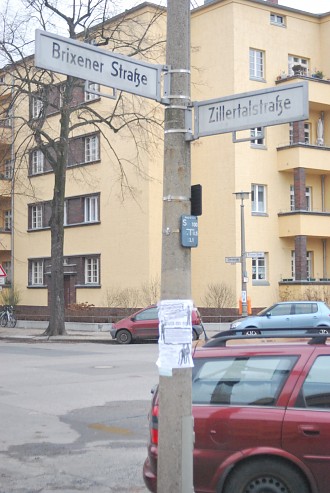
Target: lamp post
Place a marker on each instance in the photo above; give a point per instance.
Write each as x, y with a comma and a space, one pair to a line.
242, 196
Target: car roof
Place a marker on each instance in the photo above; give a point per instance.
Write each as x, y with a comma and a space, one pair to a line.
286, 343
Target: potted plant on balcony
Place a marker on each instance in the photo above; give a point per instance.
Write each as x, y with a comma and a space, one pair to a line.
297, 69
318, 74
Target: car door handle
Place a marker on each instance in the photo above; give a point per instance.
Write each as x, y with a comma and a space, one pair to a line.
309, 430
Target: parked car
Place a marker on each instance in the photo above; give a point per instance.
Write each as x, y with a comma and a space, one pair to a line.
286, 315
144, 325
261, 417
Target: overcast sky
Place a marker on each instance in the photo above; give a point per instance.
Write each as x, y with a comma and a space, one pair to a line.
314, 6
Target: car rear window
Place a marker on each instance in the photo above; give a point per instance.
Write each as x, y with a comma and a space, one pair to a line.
255, 380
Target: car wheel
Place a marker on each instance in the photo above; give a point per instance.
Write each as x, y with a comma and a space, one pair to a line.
323, 330
124, 336
195, 336
265, 476
251, 332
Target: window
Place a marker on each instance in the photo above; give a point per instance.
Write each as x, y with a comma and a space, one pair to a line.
37, 107
81, 210
307, 134
8, 170
280, 310
248, 381
37, 162
92, 274
279, 20
259, 269
150, 314
309, 259
7, 220
36, 216
90, 96
256, 135
305, 308
256, 64
91, 148
308, 194
258, 198
91, 212
37, 272
315, 392
300, 64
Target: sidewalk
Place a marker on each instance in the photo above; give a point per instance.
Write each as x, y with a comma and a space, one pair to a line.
33, 332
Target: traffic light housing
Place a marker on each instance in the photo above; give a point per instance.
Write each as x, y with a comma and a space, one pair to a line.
196, 200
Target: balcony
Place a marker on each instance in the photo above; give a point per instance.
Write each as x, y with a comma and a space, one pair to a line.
318, 90
304, 223
310, 157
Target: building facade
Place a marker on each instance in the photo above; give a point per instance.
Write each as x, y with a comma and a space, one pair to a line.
113, 243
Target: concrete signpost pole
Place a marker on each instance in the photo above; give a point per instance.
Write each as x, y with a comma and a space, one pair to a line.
175, 449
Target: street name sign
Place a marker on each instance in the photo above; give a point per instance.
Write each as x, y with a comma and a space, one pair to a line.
232, 260
254, 254
88, 62
266, 107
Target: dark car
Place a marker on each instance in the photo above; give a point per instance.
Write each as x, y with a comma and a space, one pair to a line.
144, 325
261, 417
302, 315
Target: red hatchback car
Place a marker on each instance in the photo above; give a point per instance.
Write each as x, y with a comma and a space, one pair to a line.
144, 325
262, 417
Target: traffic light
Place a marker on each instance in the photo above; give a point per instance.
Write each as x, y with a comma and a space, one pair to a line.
196, 200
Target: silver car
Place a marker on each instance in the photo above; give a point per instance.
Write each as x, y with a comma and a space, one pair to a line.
286, 315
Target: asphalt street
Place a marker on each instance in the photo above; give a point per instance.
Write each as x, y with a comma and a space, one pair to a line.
73, 416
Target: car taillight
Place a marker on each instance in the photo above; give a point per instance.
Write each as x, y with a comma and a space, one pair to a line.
154, 426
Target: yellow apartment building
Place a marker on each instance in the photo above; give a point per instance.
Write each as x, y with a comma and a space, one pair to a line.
113, 243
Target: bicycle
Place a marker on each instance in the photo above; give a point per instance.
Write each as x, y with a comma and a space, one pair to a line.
7, 316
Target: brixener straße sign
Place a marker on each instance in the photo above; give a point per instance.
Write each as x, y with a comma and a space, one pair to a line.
267, 107
88, 62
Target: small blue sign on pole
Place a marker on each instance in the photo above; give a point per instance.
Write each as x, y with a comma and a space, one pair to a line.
189, 231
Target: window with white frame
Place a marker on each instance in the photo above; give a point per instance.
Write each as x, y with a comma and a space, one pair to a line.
91, 209
37, 165
259, 269
37, 272
90, 96
7, 220
9, 169
308, 194
258, 198
256, 136
257, 62
309, 259
37, 107
296, 61
92, 270
278, 20
92, 148
36, 216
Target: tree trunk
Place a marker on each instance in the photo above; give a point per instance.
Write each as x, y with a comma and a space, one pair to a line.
57, 303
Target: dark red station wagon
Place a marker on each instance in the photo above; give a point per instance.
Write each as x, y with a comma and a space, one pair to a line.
262, 417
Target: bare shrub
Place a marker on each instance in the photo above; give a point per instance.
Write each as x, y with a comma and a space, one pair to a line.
124, 298
219, 295
150, 292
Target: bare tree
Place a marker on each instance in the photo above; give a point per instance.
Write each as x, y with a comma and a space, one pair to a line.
87, 21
